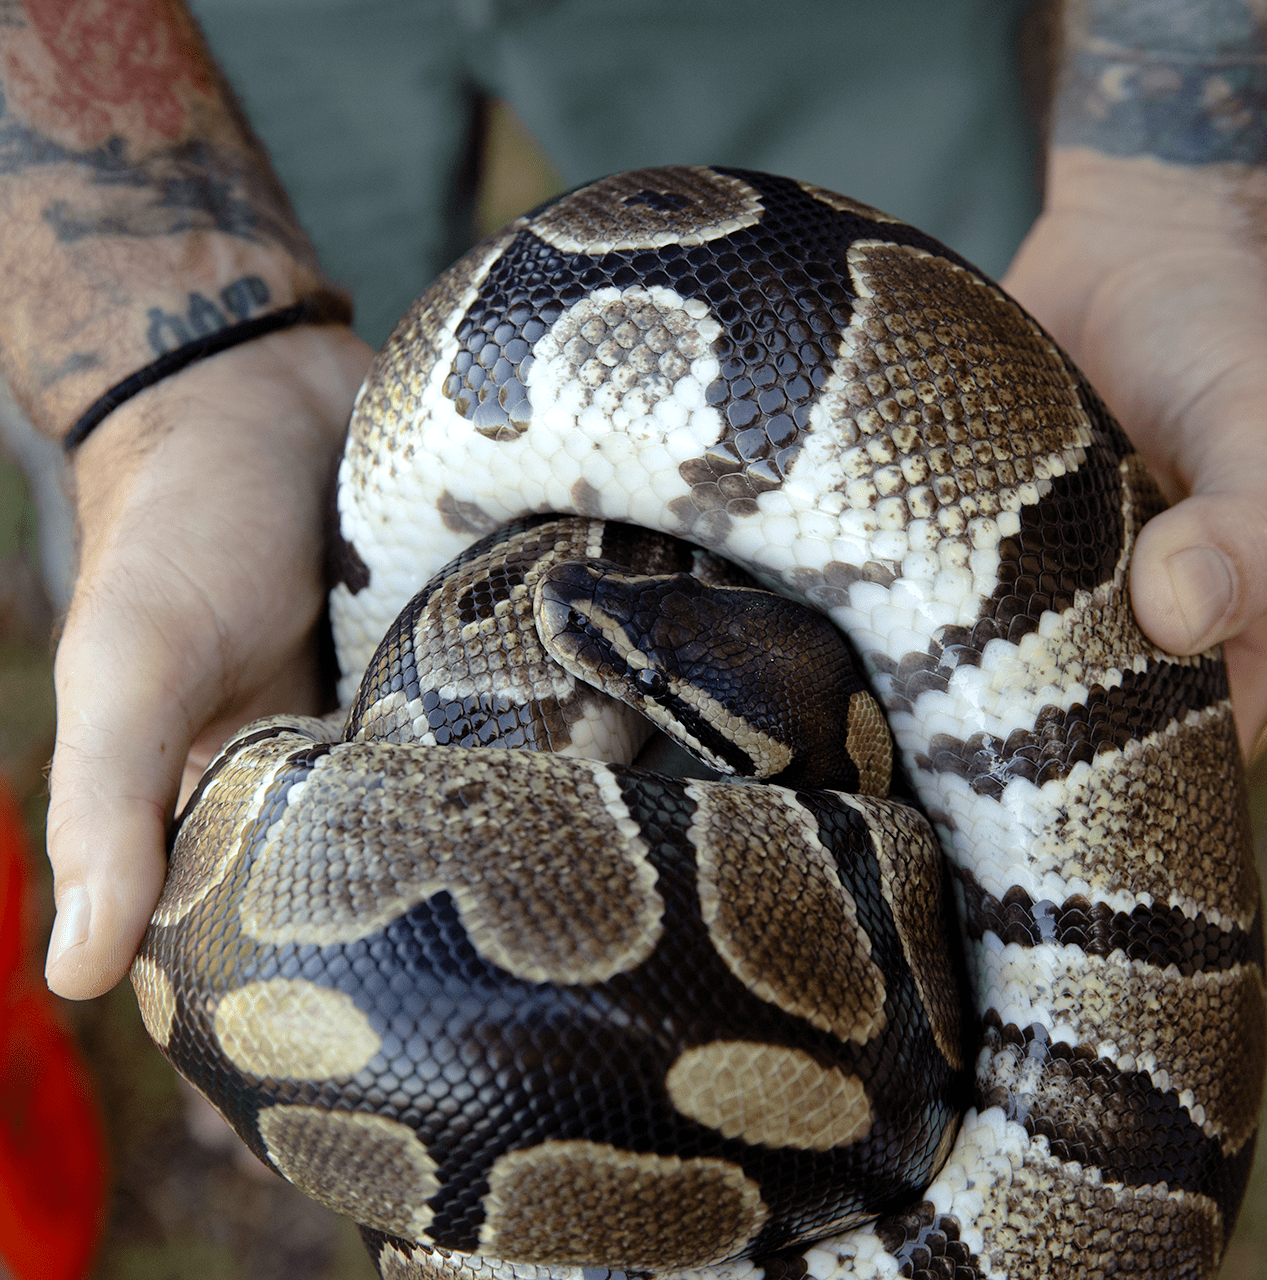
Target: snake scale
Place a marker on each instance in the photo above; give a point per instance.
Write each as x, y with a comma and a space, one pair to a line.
803, 387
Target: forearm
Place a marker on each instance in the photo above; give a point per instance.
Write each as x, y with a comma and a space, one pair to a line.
1183, 82
1160, 110
1148, 265
1156, 169
137, 210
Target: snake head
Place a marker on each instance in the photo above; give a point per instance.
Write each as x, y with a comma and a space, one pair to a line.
753, 684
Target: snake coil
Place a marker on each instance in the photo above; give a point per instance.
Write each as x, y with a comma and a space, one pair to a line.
826, 397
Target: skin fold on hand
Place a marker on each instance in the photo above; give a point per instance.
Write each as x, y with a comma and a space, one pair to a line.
202, 504
1152, 276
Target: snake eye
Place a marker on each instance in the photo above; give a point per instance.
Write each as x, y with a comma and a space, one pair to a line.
650, 682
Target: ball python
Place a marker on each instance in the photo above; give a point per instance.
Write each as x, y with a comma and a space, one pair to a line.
822, 395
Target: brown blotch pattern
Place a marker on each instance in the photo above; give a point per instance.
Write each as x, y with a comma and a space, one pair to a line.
649, 208
622, 352
843, 204
289, 1028
870, 745
211, 836
1074, 1226
369, 1167
777, 913
543, 861
1182, 1026
459, 516
949, 401
770, 1095
474, 642
155, 997
396, 393
582, 1203
1160, 817
911, 875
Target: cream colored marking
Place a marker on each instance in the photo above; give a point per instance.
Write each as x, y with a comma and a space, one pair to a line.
843, 204
155, 997
606, 216
210, 838
394, 1265
769, 1095
769, 756
419, 352
870, 745
369, 1167
1158, 818
431, 1262
544, 861
776, 910
1174, 1028
292, 1029
586, 1204
1081, 1225
911, 863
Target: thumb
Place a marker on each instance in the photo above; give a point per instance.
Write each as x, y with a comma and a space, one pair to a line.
1197, 580
121, 745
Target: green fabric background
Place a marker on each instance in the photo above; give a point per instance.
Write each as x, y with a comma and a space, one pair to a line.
365, 105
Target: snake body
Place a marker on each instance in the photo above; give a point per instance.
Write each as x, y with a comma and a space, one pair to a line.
837, 403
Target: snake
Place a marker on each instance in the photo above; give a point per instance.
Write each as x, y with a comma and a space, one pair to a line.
551, 1014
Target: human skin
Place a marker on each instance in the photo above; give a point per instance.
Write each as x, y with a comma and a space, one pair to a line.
138, 211
200, 500
1148, 265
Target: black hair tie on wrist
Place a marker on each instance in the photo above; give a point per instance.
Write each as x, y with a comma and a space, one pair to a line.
323, 307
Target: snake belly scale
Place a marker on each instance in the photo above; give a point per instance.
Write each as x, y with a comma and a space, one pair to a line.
820, 394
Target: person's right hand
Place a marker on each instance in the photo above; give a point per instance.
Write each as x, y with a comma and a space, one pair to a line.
202, 505
1154, 279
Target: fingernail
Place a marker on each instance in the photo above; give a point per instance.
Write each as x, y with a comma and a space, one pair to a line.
1202, 582
70, 929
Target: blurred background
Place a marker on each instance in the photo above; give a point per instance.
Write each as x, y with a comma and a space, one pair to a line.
183, 1199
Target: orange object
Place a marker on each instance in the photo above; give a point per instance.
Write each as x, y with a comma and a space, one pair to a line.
52, 1148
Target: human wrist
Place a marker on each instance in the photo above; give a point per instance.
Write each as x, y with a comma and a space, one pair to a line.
1151, 194
139, 211
283, 399
323, 307
62, 353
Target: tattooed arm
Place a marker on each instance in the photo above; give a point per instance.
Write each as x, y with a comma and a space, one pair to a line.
1149, 264
137, 211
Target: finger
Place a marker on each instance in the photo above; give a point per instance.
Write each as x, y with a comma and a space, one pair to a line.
124, 727
1197, 581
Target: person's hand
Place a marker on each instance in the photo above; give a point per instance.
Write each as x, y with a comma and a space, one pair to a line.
202, 505
1154, 278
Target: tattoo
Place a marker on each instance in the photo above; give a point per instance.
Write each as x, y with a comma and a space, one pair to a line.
190, 186
167, 331
76, 362
1183, 81
95, 59
83, 84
